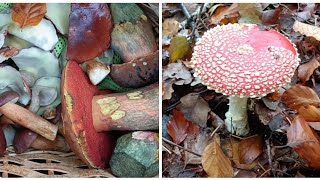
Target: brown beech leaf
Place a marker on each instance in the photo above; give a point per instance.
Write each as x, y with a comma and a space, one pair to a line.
220, 12
315, 125
178, 127
89, 31
196, 143
306, 29
231, 148
306, 70
215, 162
170, 27
304, 141
309, 113
250, 149
298, 95
28, 14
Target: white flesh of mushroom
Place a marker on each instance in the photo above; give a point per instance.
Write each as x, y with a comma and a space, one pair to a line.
61, 19
37, 62
43, 35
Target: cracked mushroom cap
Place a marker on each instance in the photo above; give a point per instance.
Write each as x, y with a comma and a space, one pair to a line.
243, 60
93, 148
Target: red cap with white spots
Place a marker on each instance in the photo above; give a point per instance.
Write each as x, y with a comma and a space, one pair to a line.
242, 60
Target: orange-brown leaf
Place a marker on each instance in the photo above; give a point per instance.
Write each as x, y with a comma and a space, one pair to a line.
304, 141
309, 113
250, 149
214, 161
178, 127
220, 12
28, 14
299, 95
306, 70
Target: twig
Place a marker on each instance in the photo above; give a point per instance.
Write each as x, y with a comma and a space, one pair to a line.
169, 108
174, 144
166, 149
215, 130
264, 173
269, 154
189, 19
241, 138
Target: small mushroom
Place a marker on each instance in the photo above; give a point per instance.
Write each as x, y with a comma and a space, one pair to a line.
43, 35
96, 71
242, 61
37, 62
44, 92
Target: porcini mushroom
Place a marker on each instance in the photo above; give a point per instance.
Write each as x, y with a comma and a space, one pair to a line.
243, 61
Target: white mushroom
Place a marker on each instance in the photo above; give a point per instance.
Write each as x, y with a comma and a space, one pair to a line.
61, 19
37, 63
43, 35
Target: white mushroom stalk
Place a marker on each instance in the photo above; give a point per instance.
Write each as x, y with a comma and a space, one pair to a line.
243, 62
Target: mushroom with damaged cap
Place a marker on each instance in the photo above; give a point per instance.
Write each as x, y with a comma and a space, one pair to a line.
242, 61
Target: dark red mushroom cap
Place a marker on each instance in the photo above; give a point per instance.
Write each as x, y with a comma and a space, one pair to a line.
242, 60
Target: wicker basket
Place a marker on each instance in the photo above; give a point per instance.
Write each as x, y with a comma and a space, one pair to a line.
43, 164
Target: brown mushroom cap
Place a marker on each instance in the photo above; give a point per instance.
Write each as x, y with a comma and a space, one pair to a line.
242, 60
89, 31
93, 148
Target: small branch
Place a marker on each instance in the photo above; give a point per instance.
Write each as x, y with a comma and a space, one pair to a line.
174, 144
189, 20
269, 155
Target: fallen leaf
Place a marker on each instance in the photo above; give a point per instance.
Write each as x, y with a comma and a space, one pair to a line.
307, 12
89, 31
250, 13
215, 162
167, 89
170, 27
219, 12
179, 48
231, 148
309, 113
298, 95
193, 104
315, 125
307, 29
28, 14
307, 69
304, 141
246, 174
250, 149
178, 127
270, 17
196, 144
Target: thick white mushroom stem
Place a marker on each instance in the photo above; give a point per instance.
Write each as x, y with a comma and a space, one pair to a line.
237, 117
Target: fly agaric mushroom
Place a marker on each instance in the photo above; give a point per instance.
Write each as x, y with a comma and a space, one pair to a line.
243, 61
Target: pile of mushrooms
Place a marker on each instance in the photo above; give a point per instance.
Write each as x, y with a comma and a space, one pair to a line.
30, 81
242, 61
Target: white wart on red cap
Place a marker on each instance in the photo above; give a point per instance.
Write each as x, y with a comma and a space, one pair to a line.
242, 60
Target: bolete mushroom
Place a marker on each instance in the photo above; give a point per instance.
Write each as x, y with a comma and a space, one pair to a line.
88, 115
92, 148
243, 61
89, 31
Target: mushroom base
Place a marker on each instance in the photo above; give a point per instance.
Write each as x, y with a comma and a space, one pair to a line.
237, 117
